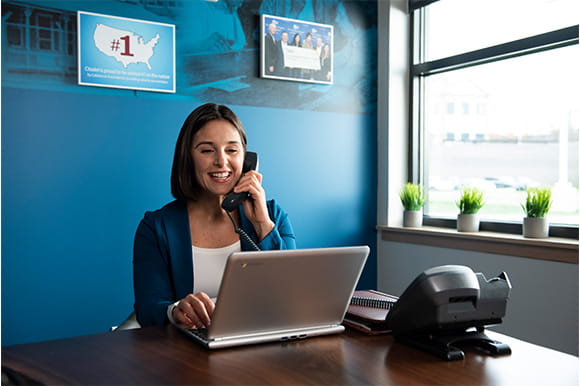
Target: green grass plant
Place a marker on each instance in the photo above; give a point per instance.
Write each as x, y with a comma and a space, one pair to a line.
412, 196
538, 202
470, 201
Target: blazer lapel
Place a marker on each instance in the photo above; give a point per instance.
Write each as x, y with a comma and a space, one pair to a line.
179, 243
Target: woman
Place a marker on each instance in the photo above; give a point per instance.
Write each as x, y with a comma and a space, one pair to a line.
180, 250
325, 64
296, 40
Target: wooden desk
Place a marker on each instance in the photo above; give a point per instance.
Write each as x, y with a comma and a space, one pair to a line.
163, 355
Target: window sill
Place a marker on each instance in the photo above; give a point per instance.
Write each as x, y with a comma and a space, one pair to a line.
554, 249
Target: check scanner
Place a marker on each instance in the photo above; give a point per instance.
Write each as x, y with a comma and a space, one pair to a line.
450, 305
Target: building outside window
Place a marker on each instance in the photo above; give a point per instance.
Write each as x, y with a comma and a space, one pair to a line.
497, 105
38, 41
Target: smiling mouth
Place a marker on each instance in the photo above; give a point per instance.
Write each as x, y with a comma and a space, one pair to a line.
220, 176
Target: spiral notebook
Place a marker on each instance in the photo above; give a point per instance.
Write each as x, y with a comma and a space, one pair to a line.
368, 310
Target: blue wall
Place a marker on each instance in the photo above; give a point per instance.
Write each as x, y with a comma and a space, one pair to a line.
80, 166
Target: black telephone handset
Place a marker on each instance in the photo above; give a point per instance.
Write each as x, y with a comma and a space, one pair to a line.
233, 200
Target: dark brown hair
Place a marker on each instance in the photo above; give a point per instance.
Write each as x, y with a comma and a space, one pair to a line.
184, 185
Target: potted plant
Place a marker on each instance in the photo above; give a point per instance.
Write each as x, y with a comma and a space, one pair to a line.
470, 202
538, 203
413, 199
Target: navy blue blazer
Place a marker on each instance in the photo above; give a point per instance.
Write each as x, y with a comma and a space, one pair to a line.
162, 260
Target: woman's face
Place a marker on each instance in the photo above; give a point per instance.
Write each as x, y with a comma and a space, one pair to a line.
218, 156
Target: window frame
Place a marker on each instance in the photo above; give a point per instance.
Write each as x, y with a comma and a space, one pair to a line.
420, 69
44, 38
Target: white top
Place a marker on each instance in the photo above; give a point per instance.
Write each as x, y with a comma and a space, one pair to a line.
208, 269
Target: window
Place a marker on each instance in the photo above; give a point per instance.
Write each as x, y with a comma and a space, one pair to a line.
23, 23
450, 108
496, 106
14, 18
45, 36
38, 40
14, 36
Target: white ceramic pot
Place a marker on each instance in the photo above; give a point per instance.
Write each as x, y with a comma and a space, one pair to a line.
468, 222
536, 227
412, 218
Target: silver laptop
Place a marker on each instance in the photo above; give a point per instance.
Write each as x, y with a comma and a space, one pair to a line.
282, 295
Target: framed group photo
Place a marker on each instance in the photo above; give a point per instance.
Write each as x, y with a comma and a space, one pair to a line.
296, 50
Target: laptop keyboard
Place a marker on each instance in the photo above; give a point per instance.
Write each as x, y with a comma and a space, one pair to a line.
199, 332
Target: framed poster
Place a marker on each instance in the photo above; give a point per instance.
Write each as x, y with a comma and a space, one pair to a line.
296, 50
125, 53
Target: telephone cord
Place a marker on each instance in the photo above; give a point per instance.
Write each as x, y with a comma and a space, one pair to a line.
243, 234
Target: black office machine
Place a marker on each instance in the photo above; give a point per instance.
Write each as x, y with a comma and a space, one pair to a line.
449, 305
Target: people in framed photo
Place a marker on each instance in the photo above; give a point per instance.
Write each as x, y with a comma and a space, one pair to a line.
296, 50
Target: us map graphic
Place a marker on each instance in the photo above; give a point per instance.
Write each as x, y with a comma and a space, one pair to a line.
125, 46
125, 53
